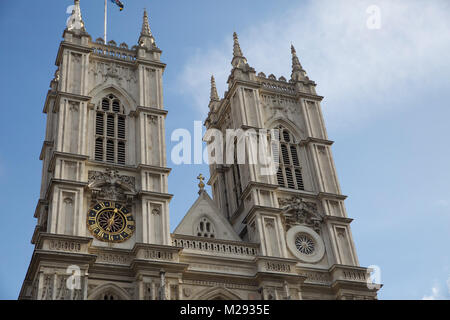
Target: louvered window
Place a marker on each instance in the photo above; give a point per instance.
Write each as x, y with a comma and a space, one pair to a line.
289, 174
110, 131
236, 175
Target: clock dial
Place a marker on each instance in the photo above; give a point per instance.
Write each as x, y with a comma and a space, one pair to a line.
111, 222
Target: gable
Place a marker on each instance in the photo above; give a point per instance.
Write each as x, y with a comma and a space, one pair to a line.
204, 219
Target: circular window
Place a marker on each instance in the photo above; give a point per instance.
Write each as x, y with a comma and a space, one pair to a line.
304, 243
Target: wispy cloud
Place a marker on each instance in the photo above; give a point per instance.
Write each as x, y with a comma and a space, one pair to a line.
435, 295
438, 292
360, 72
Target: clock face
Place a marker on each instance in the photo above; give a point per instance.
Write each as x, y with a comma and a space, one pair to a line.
110, 221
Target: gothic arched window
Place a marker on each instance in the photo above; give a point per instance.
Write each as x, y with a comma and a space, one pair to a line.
205, 228
289, 173
110, 135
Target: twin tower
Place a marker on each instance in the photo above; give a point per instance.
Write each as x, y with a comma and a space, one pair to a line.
102, 227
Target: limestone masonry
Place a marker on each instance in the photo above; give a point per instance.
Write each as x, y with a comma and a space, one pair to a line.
103, 215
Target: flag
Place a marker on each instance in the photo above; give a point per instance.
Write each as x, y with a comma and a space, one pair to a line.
119, 4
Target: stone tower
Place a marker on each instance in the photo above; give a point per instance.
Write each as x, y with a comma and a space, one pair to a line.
104, 160
297, 216
103, 215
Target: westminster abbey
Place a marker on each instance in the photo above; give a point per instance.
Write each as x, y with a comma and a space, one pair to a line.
102, 228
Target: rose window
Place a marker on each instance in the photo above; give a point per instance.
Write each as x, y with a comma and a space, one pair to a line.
304, 244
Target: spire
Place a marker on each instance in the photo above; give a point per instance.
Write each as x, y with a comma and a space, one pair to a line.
146, 39
214, 95
237, 52
298, 72
239, 60
75, 21
145, 26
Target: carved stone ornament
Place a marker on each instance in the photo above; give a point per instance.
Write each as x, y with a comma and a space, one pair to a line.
296, 211
110, 185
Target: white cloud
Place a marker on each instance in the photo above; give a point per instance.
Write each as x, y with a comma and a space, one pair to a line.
448, 285
439, 293
434, 296
360, 72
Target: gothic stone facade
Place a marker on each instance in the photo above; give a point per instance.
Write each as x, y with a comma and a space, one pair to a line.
282, 236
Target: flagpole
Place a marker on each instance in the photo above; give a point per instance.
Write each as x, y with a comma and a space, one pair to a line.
106, 15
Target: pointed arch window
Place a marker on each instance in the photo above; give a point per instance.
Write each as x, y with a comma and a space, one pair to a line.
110, 131
289, 173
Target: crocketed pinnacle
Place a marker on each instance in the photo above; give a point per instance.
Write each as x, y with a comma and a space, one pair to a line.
239, 60
295, 62
237, 52
214, 96
298, 72
76, 21
145, 25
146, 39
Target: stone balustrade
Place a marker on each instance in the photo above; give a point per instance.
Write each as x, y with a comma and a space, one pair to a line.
113, 52
219, 247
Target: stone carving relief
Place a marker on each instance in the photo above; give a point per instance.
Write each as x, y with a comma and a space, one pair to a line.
47, 289
278, 106
296, 211
123, 76
187, 292
110, 185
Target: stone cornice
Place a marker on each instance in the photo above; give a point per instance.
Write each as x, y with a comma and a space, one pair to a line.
71, 46
151, 110
327, 195
309, 96
65, 155
153, 168
138, 246
151, 63
157, 195
315, 140
44, 146
338, 219
50, 95
38, 206
259, 185
64, 182
69, 96
257, 208
157, 265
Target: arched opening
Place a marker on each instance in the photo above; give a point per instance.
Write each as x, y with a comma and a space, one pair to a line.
110, 131
205, 228
289, 173
216, 294
109, 291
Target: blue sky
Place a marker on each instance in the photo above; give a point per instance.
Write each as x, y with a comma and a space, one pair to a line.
386, 106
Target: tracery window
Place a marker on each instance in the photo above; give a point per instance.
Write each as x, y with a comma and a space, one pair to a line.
110, 138
289, 173
205, 228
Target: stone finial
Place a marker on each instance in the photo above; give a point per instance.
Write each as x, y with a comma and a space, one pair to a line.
146, 39
298, 72
76, 20
295, 62
239, 61
214, 96
145, 25
201, 185
237, 52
